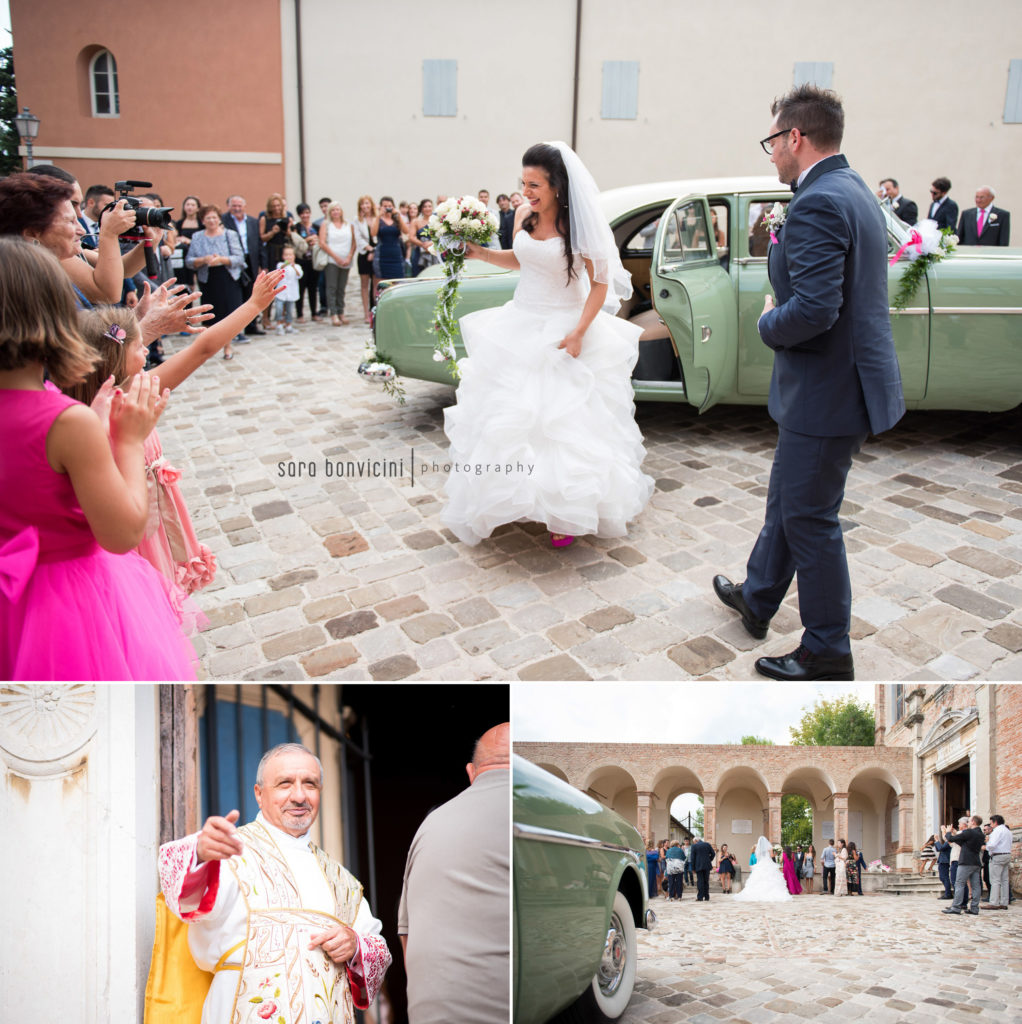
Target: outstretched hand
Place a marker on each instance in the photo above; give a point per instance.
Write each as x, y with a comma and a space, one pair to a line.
267, 286
219, 839
339, 943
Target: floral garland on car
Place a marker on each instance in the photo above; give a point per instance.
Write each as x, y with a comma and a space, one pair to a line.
931, 244
453, 223
376, 368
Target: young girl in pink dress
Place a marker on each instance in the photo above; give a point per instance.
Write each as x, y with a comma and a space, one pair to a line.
170, 543
76, 601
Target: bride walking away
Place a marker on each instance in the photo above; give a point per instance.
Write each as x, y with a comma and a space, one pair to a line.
765, 884
544, 428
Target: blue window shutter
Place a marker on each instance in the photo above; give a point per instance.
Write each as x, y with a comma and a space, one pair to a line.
620, 90
1013, 99
439, 88
814, 72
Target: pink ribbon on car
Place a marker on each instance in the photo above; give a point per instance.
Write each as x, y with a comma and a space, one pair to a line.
915, 239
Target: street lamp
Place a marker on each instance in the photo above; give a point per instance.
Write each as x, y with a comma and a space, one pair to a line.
28, 128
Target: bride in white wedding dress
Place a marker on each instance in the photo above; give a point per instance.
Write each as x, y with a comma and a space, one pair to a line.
765, 883
544, 426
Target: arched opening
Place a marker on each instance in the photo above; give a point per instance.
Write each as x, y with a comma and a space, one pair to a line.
872, 806
806, 801
675, 802
553, 770
614, 788
742, 811
104, 91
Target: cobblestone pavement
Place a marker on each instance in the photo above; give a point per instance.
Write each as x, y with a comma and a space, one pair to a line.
877, 959
328, 574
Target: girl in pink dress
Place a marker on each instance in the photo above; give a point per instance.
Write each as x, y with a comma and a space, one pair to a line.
76, 602
170, 543
789, 872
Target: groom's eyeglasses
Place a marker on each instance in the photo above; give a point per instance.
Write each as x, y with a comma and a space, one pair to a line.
768, 142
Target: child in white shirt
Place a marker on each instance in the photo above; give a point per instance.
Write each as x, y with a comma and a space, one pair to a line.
284, 305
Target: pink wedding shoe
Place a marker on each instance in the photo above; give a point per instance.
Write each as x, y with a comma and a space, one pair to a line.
562, 541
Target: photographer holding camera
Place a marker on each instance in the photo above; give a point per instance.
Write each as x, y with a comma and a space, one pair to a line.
971, 840
275, 227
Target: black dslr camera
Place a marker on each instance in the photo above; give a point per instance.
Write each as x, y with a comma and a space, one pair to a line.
145, 216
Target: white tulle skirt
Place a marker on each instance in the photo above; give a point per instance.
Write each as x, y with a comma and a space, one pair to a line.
539, 436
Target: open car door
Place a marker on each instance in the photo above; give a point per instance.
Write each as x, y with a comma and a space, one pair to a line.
694, 296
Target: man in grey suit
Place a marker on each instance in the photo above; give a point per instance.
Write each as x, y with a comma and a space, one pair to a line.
835, 380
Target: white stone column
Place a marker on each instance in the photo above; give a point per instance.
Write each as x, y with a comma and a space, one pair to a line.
78, 799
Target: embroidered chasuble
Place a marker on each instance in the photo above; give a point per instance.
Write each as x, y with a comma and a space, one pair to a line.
250, 922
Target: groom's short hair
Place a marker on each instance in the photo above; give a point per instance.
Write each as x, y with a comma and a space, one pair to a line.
816, 112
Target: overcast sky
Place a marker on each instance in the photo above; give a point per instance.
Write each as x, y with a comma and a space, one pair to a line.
667, 713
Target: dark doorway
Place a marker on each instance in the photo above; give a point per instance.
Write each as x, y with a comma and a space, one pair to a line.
954, 794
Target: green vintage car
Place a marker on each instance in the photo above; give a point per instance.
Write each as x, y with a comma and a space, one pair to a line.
698, 266
579, 895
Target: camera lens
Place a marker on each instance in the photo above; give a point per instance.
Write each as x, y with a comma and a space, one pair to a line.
154, 217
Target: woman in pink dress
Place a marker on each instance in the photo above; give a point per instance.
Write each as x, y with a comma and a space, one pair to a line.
789, 872
76, 602
170, 543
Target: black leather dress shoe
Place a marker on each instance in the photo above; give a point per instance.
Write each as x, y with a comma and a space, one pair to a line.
802, 665
731, 595
255, 329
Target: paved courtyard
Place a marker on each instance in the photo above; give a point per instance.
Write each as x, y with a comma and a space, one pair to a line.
876, 959
326, 573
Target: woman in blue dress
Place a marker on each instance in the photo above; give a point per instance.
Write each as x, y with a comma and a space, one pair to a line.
388, 229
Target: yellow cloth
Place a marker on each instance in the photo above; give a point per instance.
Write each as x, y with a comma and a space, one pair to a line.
177, 987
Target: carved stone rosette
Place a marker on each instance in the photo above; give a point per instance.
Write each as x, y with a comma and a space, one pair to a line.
45, 728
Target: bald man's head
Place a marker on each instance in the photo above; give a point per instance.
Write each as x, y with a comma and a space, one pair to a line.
493, 750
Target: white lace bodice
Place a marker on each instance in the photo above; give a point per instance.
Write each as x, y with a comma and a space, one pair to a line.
543, 285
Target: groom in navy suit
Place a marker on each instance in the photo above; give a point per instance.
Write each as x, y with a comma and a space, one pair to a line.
835, 380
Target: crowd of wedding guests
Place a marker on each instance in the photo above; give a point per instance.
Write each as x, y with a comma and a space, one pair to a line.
971, 860
383, 239
840, 868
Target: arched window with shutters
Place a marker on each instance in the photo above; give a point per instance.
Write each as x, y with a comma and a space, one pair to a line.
106, 100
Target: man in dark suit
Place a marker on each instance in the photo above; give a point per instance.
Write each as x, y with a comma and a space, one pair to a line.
904, 209
942, 209
97, 198
701, 858
507, 221
247, 229
984, 224
835, 379
800, 857
971, 840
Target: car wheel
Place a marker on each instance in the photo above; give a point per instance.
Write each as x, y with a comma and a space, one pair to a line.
611, 989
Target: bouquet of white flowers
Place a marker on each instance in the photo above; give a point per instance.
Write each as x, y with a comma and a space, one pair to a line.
453, 223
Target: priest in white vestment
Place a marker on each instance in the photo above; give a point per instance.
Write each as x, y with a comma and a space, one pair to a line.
284, 928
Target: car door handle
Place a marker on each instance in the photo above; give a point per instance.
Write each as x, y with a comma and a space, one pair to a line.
707, 331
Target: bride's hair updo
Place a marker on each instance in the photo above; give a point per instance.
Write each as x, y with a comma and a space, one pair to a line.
549, 159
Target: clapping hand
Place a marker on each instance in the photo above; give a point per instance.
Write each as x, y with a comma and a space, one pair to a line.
134, 413
267, 286
339, 943
103, 400
219, 839
768, 304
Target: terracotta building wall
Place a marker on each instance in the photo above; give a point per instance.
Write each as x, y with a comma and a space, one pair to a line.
193, 78
1009, 754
